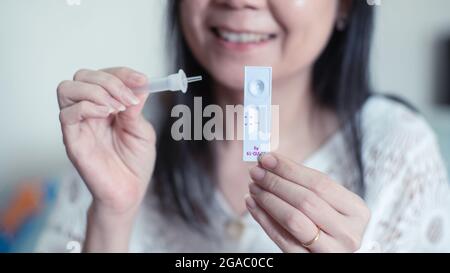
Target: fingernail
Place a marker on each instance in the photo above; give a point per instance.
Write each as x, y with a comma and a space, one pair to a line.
260, 156
130, 98
121, 108
254, 189
256, 173
138, 79
105, 110
251, 204
268, 161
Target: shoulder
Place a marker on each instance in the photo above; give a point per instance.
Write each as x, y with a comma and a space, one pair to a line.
400, 149
405, 178
65, 227
385, 121
393, 129
396, 141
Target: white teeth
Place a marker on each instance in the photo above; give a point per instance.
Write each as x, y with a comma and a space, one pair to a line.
235, 37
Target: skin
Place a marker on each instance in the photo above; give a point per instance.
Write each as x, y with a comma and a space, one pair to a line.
113, 146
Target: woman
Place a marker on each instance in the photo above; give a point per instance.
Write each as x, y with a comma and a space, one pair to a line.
353, 171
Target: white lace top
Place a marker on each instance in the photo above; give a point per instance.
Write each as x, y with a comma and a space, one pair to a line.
407, 191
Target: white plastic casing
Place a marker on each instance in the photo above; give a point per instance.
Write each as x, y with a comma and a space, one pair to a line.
174, 82
257, 112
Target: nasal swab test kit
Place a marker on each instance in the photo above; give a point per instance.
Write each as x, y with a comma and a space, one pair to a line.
257, 105
174, 82
257, 112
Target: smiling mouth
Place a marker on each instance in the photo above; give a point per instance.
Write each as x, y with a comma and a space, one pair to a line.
242, 37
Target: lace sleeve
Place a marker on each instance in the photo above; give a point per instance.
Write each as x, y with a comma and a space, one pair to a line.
65, 228
408, 193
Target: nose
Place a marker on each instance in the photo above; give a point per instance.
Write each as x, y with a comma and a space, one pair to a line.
243, 4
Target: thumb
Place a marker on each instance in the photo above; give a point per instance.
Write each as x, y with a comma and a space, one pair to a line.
133, 112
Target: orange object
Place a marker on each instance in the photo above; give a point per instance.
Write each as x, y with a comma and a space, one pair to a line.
26, 202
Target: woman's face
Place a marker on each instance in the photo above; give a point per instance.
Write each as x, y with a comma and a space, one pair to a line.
288, 35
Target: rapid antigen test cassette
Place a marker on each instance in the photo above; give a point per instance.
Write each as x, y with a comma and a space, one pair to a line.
257, 112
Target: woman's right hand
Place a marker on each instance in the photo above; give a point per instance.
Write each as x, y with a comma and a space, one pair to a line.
107, 139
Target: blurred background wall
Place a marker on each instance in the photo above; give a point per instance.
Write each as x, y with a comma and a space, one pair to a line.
43, 42
405, 54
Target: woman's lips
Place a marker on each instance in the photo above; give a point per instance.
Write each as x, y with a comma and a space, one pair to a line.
242, 40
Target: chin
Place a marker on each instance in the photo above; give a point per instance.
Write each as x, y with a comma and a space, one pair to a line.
231, 74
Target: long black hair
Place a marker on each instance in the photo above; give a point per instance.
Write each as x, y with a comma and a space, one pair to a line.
185, 172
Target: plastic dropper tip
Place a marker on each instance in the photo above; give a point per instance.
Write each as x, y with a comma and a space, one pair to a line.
194, 79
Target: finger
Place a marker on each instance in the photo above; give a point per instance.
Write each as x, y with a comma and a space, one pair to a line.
81, 111
291, 219
340, 198
113, 85
132, 79
133, 112
71, 92
314, 207
285, 241
139, 129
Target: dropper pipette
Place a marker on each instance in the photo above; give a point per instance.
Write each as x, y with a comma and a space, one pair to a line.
174, 82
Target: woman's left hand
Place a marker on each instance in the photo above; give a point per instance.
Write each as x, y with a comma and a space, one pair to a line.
303, 210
